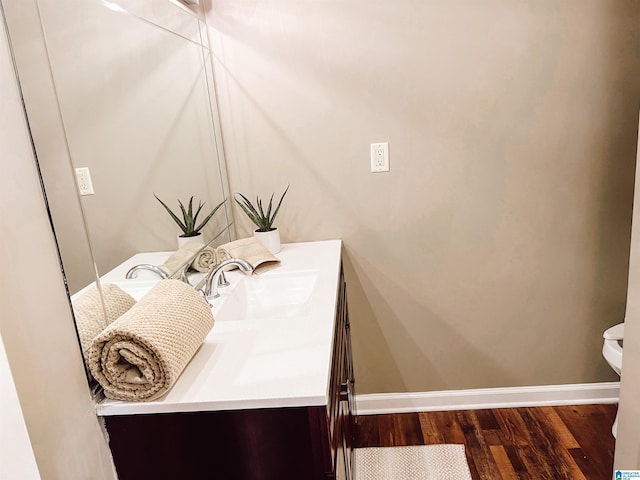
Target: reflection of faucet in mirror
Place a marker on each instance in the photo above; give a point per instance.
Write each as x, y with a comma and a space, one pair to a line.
213, 277
181, 274
133, 271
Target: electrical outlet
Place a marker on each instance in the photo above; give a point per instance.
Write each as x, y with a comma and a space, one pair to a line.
380, 157
83, 178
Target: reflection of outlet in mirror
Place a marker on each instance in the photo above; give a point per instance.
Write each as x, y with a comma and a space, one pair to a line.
380, 157
84, 181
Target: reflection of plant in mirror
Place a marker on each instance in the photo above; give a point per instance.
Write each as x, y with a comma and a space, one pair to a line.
188, 222
263, 220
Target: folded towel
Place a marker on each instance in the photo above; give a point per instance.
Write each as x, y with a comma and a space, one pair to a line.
94, 312
251, 250
140, 356
201, 258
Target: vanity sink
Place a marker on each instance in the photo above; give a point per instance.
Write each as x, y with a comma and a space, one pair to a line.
272, 295
291, 291
271, 343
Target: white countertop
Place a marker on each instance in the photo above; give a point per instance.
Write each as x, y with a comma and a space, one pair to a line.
282, 361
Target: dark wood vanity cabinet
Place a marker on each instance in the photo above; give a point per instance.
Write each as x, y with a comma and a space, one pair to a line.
294, 443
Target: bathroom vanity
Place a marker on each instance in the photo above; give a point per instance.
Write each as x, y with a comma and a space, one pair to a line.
268, 396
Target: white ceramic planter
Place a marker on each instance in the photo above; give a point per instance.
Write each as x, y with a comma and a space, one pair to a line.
199, 239
269, 240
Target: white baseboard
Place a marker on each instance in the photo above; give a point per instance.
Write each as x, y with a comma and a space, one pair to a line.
509, 397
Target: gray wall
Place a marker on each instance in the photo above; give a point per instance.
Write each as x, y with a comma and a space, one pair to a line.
494, 253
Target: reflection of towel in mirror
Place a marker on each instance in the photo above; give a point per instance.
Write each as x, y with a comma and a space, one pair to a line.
203, 258
92, 316
140, 356
251, 250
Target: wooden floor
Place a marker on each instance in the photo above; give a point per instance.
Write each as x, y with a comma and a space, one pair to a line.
568, 442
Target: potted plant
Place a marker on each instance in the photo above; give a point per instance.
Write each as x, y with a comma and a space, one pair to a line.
188, 223
266, 233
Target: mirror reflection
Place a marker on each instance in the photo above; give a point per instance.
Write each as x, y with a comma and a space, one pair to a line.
122, 90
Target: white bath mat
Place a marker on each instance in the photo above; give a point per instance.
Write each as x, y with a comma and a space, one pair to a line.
421, 462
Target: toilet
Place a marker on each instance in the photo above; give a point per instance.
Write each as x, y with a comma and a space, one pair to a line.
612, 352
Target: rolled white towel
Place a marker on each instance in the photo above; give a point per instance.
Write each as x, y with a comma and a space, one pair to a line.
140, 356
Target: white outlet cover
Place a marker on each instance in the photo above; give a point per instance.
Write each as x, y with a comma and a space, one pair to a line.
380, 157
83, 177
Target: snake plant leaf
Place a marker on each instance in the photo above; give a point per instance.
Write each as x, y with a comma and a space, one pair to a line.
194, 218
270, 205
262, 215
182, 226
248, 208
186, 215
208, 217
256, 213
188, 222
275, 213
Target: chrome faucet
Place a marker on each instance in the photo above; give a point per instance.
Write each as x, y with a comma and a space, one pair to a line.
212, 280
133, 272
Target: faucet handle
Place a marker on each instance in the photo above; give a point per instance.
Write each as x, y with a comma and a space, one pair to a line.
211, 281
204, 296
222, 281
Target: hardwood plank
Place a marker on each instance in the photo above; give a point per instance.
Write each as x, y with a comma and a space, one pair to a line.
551, 459
558, 456
430, 432
472, 466
532, 463
553, 419
609, 411
476, 446
516, 462
448, 425
368, 431
387, 431
490, 427
408, 430
503, 462
487, 420
512, 426
586, 465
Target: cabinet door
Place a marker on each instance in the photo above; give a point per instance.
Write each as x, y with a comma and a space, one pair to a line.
260, 444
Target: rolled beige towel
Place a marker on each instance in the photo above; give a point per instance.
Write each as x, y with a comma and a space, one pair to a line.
204, 260
140, 356
201, 258
93, 312
251, 250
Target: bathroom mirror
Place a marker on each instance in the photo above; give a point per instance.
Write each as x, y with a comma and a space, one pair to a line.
124, 88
